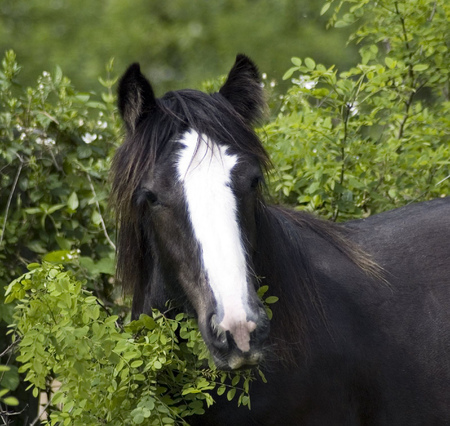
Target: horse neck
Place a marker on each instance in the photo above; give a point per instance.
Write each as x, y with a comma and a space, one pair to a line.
282, 261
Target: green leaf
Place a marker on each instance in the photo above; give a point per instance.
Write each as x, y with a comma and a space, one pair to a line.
10, 379
148, 322
324, 9
341, 24
231, 393
10, 400
271, 299
138, 418
420, 67
73, 202
36, 246
296, 61
289, 72
54, 208
310, 63
33, 210
59, 256
391, 63
221, 390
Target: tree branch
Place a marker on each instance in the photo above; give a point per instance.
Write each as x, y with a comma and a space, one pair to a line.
8, 204
100, 213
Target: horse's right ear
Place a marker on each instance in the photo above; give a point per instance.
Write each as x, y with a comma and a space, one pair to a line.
135, 97
244, 91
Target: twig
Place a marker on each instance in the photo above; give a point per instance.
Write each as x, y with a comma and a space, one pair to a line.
41, 412
9, 348
432, 12
100, 213
423, 193
49, 116
4, 413
8, 204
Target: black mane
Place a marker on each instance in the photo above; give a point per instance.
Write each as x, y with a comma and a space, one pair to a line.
285, 262
175, 113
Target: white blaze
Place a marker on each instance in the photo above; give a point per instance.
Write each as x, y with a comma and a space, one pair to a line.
204, 168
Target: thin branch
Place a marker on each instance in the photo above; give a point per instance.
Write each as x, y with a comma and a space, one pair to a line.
10, 348
423, 193
8, 204
346, 113
432, 12
408, 104
49, 116
100, 213
41, 412
8, 414
405, 118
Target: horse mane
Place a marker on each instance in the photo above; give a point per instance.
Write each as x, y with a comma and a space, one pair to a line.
176, 112
283, 262
281, 250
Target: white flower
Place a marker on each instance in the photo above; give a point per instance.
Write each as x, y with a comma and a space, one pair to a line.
88, 137
304, 82
353, 108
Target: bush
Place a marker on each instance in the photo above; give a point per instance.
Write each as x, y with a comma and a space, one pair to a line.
154, 369
55, 146
354, 143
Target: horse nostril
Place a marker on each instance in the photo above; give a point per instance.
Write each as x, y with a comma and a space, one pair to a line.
218, 334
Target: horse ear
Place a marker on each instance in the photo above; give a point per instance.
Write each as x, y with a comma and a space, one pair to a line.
135, 96
243, 89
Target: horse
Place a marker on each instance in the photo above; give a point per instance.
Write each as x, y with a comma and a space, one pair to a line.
360, 334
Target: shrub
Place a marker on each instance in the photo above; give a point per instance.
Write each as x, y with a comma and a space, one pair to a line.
375, 137
154, 369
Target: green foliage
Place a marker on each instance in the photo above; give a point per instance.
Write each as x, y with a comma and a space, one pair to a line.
55, 148
354, 143
56, 144
153, 370
4, 398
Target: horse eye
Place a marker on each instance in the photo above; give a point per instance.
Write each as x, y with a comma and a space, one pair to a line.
255, 182
151, 197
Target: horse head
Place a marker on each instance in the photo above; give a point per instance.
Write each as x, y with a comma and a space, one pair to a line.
186, 187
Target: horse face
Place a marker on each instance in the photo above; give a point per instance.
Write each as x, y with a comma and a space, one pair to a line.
201, 205
200, 200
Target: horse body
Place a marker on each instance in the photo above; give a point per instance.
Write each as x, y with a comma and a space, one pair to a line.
361, 332
372, 353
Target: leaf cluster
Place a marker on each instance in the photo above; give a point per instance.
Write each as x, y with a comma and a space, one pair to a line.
154, 370
55, 147
376, 136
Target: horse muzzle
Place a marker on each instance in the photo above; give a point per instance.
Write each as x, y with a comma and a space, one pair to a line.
237, 343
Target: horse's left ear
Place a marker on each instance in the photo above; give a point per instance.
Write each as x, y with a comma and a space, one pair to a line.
244, 91
135, 97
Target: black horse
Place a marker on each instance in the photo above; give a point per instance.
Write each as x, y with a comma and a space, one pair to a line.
361, 332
